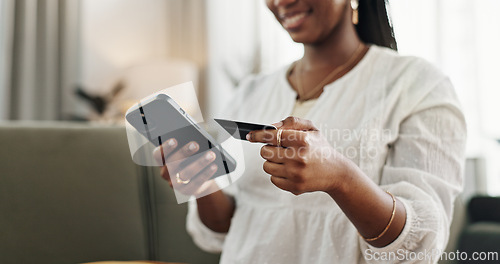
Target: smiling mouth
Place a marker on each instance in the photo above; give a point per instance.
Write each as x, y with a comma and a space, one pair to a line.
295, 20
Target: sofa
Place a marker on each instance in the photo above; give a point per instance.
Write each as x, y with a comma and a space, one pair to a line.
70, 193
481, 234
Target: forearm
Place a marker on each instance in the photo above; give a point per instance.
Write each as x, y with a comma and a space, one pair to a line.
369, 207
216, 210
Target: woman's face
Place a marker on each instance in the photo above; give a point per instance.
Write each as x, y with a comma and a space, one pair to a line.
309, 21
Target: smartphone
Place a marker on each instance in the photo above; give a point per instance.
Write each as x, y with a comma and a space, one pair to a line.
243, 128
161, 118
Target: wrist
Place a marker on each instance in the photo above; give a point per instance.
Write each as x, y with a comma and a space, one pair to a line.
216, 211
346, 170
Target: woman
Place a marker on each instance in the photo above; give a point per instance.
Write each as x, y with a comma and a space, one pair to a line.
368, 166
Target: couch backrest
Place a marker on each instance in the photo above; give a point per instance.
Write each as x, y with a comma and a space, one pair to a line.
69, 193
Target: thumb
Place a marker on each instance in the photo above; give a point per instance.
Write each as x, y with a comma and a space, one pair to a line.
296, 123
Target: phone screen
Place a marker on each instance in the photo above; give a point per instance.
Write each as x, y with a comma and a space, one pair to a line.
161, 118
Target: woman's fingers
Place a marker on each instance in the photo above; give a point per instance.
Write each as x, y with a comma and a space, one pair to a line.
164, 150
272, 154
280, 177
283, 155
285, 184
175, 159
275, 169
195, 184
195, 167
293, 133
296, 123
185, 170
289, 138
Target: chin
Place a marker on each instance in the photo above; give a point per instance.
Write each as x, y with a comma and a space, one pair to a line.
304, 37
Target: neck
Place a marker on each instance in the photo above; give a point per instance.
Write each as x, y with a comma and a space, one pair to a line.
334, 50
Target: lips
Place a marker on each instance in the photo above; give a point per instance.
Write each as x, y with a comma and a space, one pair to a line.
294, 20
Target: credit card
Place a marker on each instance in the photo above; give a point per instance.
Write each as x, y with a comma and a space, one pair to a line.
239, 130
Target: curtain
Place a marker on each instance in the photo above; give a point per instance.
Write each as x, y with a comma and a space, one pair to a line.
187, 38
6, 15
39, 41
462, 38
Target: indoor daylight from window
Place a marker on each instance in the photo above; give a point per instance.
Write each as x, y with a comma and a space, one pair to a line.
249, 131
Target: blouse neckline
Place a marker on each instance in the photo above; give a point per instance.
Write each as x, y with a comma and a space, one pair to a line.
356, 68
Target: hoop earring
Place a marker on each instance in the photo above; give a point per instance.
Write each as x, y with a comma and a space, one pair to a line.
354, 5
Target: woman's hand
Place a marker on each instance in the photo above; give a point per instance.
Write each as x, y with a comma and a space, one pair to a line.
186, 170
189, 172
305, 162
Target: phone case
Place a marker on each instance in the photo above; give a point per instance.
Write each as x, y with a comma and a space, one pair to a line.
161, 118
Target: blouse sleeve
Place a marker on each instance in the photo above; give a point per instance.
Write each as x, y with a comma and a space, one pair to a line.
204, 237
424, 171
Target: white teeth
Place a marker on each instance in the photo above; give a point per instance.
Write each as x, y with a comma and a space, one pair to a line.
289, 21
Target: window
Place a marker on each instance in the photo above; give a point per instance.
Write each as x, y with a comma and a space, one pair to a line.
462, 38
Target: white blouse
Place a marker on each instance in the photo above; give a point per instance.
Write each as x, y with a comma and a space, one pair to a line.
397, 118
300, 109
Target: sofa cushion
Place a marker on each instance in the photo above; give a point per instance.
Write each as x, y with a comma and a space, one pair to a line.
69, 193
173, 243
484, 209
481, 238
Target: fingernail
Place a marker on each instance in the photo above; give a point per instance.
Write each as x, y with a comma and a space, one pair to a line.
157, 149
248, 136
192, 146
278, 125
209, 156
171, 142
